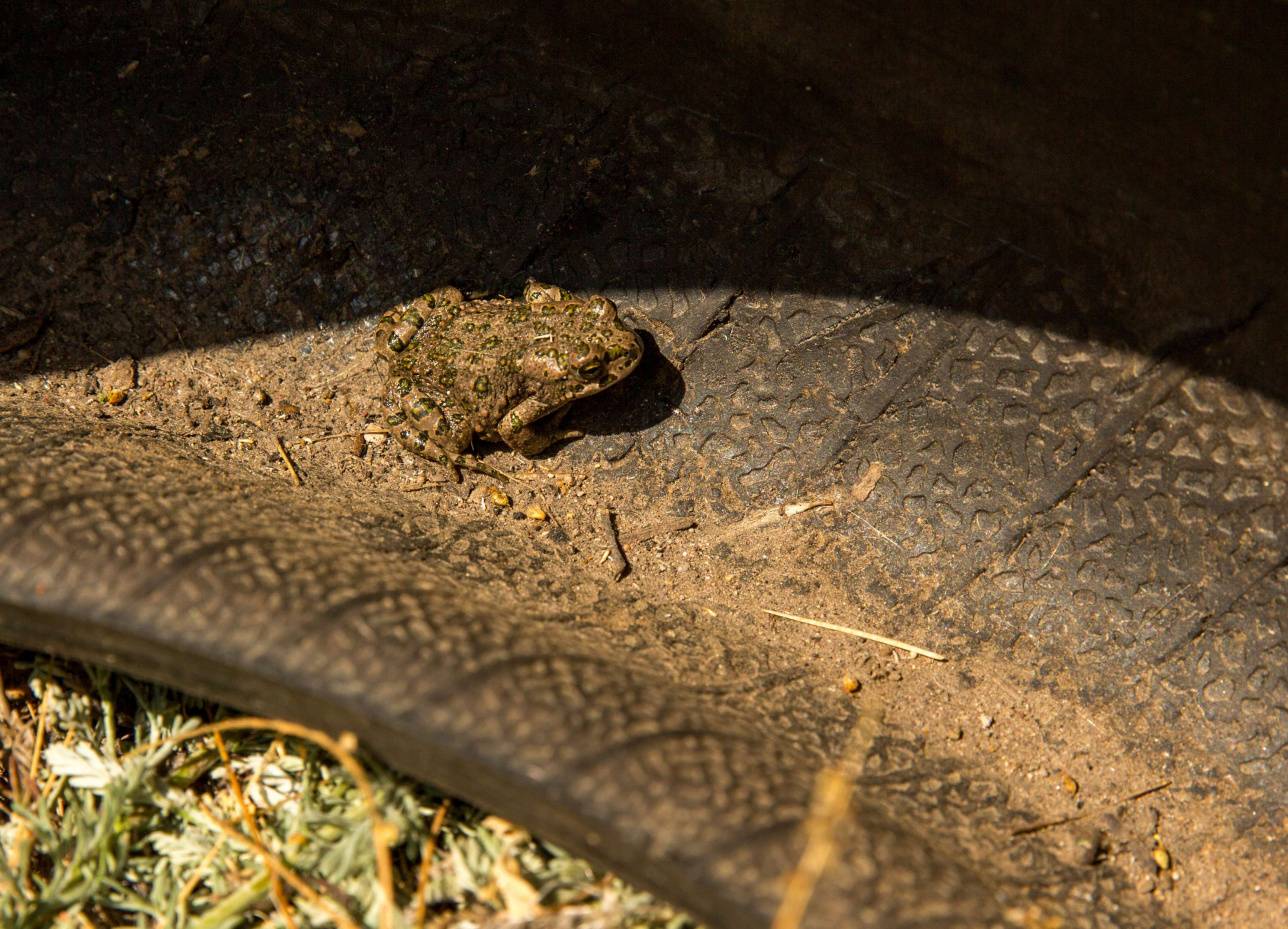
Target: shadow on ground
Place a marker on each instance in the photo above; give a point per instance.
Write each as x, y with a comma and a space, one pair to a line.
202, 173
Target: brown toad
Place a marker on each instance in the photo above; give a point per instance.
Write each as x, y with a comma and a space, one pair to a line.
500, 369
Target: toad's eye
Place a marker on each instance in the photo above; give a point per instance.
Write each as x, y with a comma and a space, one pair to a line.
590, 370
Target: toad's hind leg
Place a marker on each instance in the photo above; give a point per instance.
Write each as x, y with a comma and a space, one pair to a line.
420, 442
399, 325
425, 443
397, 328
436, 421
426, 422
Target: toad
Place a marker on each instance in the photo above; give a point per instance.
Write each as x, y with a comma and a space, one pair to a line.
500, 369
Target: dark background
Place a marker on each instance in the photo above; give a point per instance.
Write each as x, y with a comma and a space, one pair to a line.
1138, 151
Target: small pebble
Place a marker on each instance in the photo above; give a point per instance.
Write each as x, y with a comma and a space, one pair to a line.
850, 684
260, 397
986, 722
121, 375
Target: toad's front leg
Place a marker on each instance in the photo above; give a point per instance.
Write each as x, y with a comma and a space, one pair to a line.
530, 430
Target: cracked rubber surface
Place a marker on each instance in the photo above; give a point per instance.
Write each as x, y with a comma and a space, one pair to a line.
958, 255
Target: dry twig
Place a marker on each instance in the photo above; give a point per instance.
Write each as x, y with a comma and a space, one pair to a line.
426, 863
286, 459
665, 527
769, 517
1065, 820
614, 552
276, 867
252, 827
858, 633
833, 791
